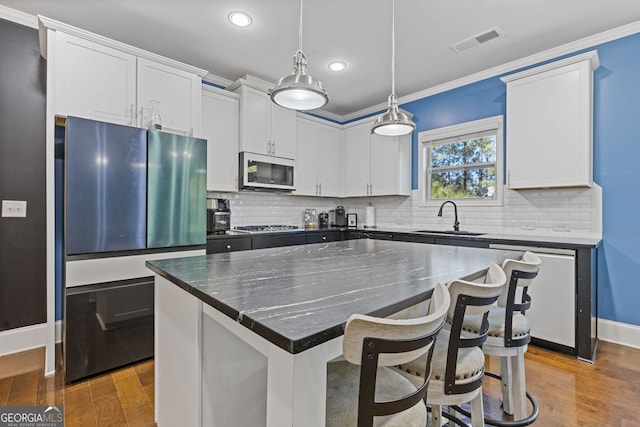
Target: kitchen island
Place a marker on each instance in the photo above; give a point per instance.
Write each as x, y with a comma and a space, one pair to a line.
243, 338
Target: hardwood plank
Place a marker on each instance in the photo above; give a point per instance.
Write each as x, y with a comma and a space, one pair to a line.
109, 412
24, 389
78, 406
102, 386
5, 388
137, 407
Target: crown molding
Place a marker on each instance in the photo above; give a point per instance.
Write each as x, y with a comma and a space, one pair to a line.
18, 17
217, 80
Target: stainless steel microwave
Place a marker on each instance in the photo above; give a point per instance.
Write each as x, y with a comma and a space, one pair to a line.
260, 172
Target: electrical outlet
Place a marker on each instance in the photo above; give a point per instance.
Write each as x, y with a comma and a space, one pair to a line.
14, 208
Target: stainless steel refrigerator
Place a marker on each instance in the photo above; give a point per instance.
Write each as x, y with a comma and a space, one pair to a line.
128, 191
176, 190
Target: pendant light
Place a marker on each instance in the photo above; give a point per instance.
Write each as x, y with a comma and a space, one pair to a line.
394, 122
299, 90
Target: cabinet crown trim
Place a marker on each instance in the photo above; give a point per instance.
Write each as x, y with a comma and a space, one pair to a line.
591, 56
45, 24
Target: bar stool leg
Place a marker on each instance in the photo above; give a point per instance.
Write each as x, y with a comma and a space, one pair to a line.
436, 415
506, 372
477, 411
519, 385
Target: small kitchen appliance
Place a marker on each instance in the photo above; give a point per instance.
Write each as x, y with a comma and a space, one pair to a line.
340, 217
218, 216
323, 220
310, 219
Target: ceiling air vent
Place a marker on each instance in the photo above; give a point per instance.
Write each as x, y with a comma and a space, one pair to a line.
477, 40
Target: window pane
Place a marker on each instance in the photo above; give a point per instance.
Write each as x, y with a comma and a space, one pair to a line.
458, 153
464, 184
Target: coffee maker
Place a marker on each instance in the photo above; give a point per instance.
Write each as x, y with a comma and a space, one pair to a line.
218, 216
338, 217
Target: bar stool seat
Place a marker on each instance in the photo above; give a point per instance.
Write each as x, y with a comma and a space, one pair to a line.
363, 390
343, 385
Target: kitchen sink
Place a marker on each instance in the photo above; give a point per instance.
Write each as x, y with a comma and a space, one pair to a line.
453, 232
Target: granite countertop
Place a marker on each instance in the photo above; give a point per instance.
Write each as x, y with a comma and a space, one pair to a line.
559, 239
300, 296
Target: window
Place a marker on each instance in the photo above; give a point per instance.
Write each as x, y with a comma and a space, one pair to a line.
463, 163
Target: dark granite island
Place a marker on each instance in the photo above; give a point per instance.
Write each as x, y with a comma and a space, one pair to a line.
243, 338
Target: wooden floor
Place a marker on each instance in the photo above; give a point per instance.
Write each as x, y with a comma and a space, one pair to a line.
569, 392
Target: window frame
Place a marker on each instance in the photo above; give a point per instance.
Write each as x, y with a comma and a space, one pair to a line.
427, 139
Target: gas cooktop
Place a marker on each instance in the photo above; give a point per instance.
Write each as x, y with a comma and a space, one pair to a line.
265, 228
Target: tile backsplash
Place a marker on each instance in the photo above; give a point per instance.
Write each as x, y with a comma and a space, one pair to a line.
574, 211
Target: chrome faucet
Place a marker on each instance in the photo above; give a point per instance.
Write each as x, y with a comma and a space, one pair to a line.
456, 224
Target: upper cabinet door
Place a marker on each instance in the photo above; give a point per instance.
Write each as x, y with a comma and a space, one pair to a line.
254, 121
357, 161
328, 159
283, 131
549, 124
94, 81
220, 128
390, 165
266, 128
306, 170
178, 93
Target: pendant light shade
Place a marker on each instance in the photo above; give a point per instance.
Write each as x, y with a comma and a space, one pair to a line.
394, 122
299, 90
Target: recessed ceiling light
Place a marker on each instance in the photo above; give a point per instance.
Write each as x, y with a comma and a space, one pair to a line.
337, 66
240, 19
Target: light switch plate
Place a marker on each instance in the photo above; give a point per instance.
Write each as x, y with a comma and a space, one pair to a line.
14, 208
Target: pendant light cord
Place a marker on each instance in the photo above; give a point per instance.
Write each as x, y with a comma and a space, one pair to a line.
300, 28
393, 46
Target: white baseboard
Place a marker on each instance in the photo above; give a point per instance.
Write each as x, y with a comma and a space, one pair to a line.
22, 339
27, 338
619, 333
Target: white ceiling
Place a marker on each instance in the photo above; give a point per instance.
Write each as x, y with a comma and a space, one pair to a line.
358, 32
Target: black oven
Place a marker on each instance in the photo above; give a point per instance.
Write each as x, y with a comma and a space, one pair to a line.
107, 326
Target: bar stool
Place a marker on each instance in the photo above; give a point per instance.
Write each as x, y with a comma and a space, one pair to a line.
509, 334
363, 387
458, 362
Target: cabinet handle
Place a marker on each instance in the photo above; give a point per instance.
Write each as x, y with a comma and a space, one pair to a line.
324, 237
228, 246
269, 146
371, 189
273, 148
316, 188
320, 187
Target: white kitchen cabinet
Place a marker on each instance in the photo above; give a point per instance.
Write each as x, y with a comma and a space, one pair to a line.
376, 165
101, 79
177, 91
265, 128
94, 81
220, 127
550, 123
317, 171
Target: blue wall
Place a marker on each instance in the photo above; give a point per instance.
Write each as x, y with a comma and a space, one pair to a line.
616, 161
